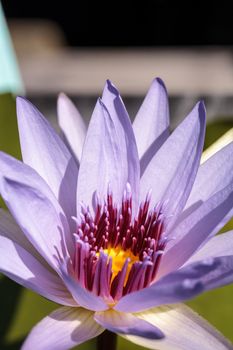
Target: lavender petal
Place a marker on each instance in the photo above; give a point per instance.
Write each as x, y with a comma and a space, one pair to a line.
72, 125
180, 285
183, 329
22, 267
45, 152
153, 115
172, 171
63, 329
126, 323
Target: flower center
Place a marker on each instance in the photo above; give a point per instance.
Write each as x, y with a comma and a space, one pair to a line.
119, 257
115, 253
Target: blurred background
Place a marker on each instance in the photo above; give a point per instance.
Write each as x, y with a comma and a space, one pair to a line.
74, 47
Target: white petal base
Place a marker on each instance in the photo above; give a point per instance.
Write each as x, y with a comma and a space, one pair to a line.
62, 330
183, 329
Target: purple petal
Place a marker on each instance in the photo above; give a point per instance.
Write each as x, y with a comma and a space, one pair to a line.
72, 125
126, 323
120, 118
17, 171
101, 160
40, 221
81, 295
180, 285
104, 161
44, 151
219, 277
9, 229
151, 151
213, 175
183, 329
22, 267
62, 330
172, 170
196, 228
221, 245
152, 120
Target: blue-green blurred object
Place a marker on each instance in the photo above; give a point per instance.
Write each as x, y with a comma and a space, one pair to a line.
10, 79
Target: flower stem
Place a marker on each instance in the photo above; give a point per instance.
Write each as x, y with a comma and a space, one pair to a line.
107, 340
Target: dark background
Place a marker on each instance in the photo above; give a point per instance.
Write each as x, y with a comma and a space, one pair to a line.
131, 23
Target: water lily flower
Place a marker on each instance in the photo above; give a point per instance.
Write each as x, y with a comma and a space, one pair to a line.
117, 223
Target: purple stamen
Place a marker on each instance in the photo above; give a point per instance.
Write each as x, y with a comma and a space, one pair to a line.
116, 254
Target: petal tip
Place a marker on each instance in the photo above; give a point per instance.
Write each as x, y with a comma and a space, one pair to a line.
22, 104
62, 96
20, 100
201, 104
160, 81
201, 109
110, 87
62, 102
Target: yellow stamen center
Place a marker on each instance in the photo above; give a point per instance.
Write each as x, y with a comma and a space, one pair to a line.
119, 257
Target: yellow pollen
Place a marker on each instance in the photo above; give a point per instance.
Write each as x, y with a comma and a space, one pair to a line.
119, 257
